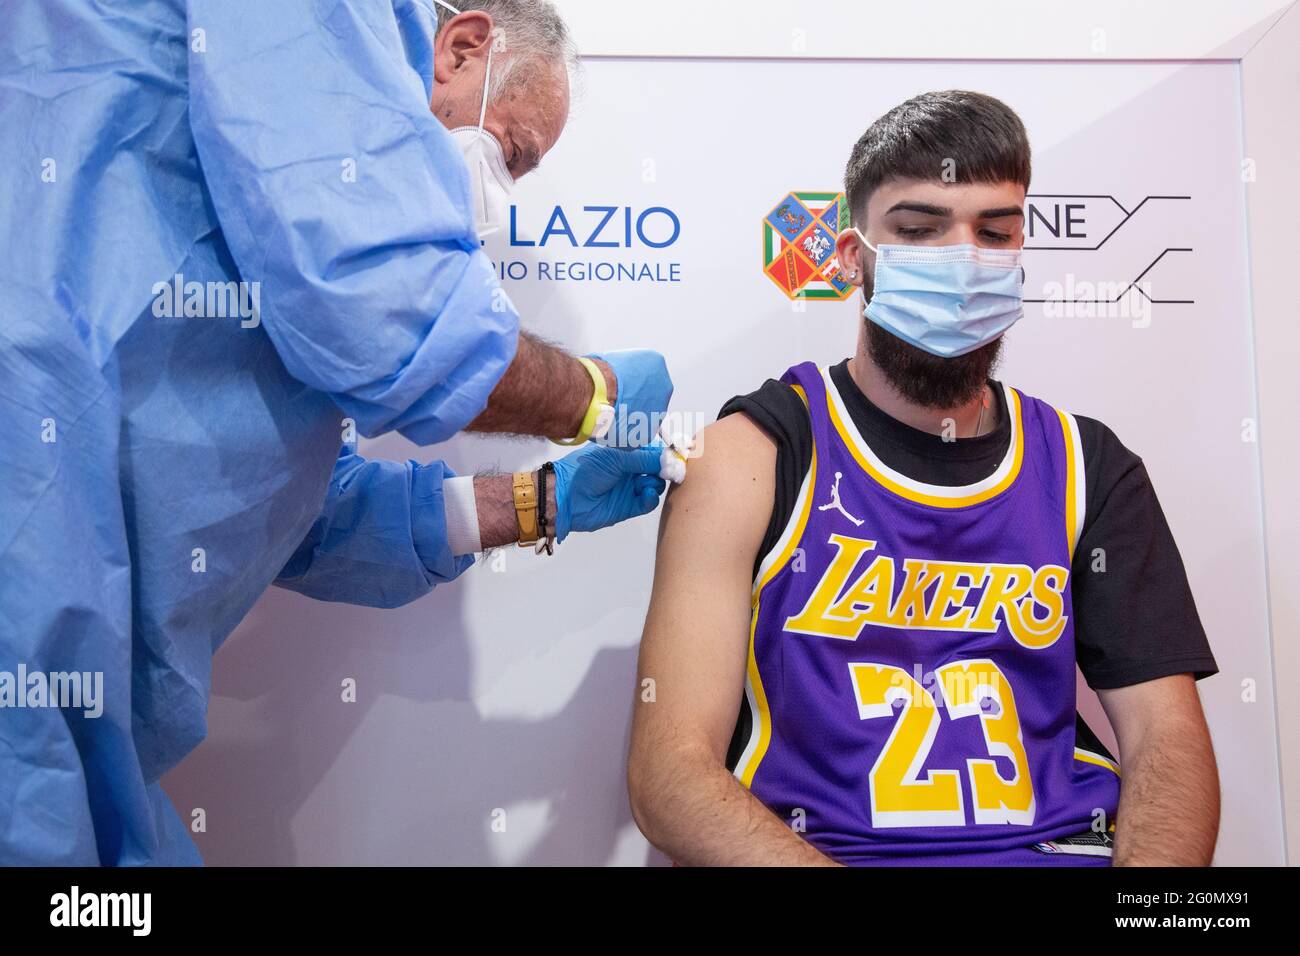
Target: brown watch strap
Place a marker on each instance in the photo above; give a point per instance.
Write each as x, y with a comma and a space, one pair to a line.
526, 507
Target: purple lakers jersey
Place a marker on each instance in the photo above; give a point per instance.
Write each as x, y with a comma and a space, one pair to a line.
911, 672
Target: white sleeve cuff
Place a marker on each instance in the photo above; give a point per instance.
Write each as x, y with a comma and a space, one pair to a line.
462, 516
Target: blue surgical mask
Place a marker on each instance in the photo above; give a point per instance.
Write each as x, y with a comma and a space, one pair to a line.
945, 300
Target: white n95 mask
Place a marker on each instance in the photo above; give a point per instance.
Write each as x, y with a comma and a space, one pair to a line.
490, 181
945, 300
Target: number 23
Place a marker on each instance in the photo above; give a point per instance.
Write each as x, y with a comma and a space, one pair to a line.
900, 796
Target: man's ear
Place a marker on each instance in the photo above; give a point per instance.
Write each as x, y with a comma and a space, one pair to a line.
463, 39
851, 254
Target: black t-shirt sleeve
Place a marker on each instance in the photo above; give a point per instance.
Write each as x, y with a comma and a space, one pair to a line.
1134, 615
778, 410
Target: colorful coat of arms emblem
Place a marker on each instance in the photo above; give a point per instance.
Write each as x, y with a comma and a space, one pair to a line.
799, 245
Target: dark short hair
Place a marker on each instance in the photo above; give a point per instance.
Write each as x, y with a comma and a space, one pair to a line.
979, 138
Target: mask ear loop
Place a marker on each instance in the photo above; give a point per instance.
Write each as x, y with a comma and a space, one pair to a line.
863, 238
487, 85
865, 242
500, 168
863, 289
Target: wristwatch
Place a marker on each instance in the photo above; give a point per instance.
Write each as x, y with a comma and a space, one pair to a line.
526, 507
600, 413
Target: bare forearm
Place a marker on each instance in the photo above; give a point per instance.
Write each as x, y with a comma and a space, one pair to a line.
494, 498
692, 809
1169, 801
544, 392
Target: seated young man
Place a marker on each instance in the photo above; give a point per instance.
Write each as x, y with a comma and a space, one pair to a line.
892, 565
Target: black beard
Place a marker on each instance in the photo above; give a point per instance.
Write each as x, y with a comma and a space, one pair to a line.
928, 380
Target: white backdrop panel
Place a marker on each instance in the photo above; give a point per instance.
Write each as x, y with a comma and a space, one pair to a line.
512, 688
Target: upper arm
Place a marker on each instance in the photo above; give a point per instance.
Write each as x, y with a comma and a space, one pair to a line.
695, 644
1139, 710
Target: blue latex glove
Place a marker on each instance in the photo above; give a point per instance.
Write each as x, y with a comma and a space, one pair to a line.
596, 487
644, 390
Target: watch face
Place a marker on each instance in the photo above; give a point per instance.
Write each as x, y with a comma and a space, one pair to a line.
604, 419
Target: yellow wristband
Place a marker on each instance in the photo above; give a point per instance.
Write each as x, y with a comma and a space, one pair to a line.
599, 402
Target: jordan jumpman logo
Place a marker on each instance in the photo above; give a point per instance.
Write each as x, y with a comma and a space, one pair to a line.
835, 501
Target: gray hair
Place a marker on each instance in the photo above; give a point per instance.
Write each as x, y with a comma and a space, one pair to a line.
526, 31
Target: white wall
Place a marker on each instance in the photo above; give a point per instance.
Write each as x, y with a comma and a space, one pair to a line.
924, 29
512, 688
1271, 140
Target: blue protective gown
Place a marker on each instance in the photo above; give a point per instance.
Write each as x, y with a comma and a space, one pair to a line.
158, 472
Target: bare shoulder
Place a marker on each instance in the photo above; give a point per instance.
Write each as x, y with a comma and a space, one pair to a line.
736, 436
730, 482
